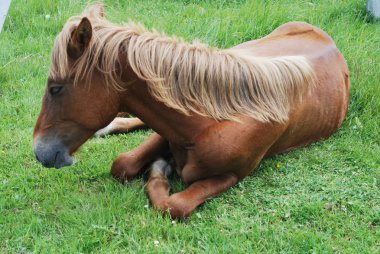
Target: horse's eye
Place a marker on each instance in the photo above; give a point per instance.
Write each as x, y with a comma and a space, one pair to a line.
54, 90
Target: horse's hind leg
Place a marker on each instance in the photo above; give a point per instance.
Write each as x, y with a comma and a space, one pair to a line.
121, 125
181, 204
129, 164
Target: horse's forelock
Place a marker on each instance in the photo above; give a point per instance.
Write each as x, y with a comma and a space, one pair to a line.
60, 68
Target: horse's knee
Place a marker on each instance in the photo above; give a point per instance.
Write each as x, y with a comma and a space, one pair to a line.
178, 207
124, 167
175, 207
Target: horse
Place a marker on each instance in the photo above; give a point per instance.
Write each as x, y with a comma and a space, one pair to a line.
215, 113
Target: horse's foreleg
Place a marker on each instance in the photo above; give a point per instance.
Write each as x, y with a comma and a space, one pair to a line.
121, 125
181, 204
158, 186
129, 164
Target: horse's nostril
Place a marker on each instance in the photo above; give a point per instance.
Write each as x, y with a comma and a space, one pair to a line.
55, 158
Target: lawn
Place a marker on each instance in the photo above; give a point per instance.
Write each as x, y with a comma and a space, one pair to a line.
324, 198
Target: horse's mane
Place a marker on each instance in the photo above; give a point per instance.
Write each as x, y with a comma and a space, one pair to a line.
221, 84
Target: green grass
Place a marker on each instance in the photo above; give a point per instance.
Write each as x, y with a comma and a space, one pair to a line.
321, 199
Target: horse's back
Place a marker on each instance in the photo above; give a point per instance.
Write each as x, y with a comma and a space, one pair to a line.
293, 38
322, 111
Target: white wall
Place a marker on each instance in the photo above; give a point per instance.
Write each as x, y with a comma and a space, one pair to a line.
4, 6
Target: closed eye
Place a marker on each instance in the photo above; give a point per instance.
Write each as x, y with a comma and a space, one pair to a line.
55, 90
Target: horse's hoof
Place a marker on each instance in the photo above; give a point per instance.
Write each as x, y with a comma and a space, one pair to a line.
123, 169
105, 131
160, 168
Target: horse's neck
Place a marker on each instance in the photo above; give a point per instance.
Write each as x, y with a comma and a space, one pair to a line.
170, 124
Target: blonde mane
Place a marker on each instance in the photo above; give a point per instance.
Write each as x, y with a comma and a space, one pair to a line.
218, 83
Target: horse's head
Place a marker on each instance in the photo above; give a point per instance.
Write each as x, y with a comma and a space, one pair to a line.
77, 101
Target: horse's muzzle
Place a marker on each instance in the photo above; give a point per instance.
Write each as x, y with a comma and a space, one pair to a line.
51, 153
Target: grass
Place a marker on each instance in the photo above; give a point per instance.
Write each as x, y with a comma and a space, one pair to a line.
321, 199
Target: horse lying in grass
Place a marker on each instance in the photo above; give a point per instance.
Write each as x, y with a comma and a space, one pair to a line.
216, 112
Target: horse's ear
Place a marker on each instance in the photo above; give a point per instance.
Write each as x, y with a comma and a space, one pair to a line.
80, 38
94, 11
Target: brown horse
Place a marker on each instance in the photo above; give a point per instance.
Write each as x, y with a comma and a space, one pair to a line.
216, 112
